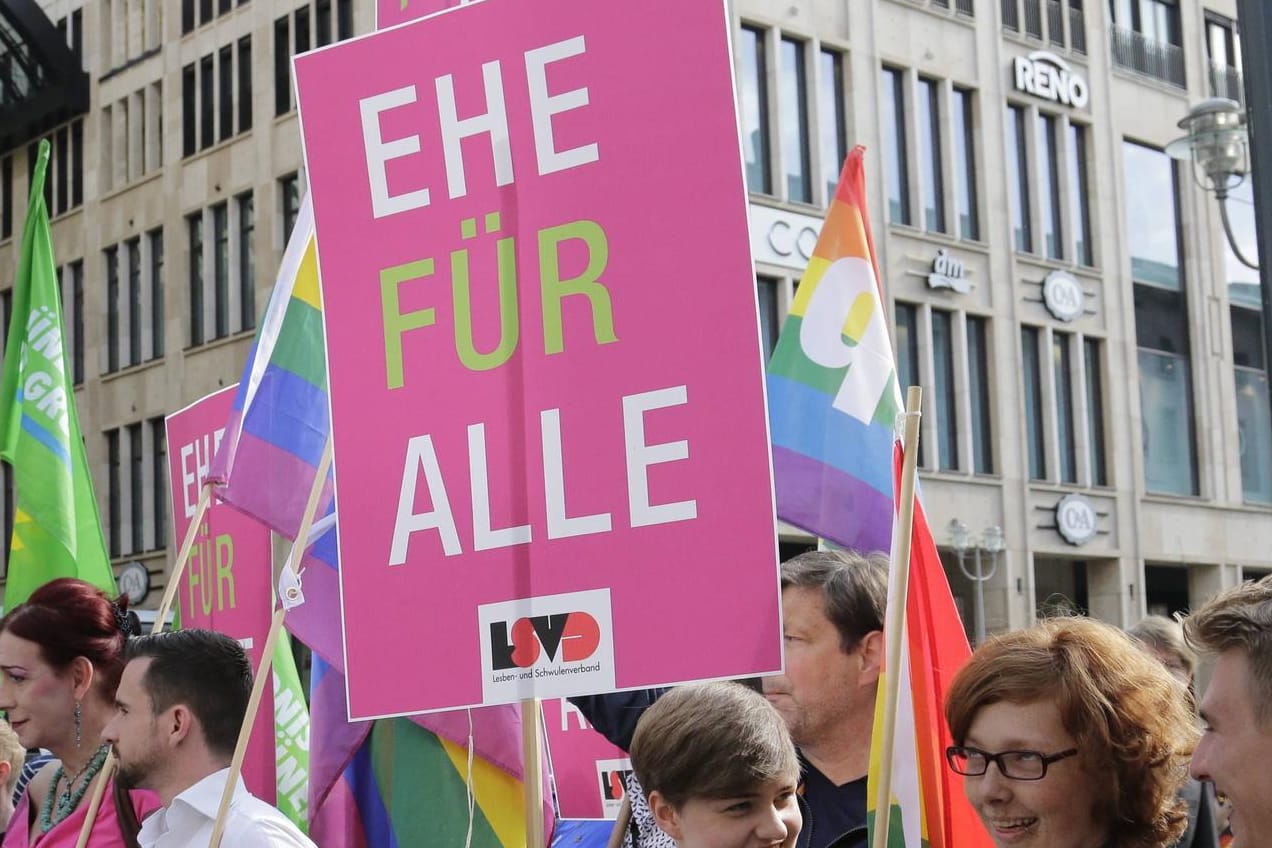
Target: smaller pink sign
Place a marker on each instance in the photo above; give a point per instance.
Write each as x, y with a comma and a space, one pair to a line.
392, 12
227, 584
588, 769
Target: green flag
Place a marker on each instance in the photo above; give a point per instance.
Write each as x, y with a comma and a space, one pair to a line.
56, 529
291, 736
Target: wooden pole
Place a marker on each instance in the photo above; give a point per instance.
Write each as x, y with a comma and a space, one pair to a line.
894, 638
169, 595
532, 754
621, 823
264, 671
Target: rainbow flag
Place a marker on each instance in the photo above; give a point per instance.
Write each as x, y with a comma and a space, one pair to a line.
833, 402
265, 467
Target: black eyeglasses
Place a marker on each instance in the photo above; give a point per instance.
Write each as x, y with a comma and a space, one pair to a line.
1018, 765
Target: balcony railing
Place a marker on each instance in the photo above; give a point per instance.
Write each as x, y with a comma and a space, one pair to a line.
1147, 56
1077, 31
1226, 82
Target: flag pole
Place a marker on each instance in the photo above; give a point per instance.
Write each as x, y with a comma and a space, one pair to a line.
263, 673
169, 596
532, 755
897, 592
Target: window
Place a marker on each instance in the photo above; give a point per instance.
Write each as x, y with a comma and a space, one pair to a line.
131, 133
978, 394
1161, 321
959, 422
1062, 23
755, 111
1047, 177
833, 131
1146, 38
1034, 424
1018, 179
154, 239
136, 456
929, 138
1223, 49
246, 261
1095, 412
73, 278
64, 179
1254, 429
793, 95
217, 89
308, 29
766, 295
964, 140
134, 301
194, 224
205, 9
229, 305
895, 157
6, 197
289, 192
1062, 369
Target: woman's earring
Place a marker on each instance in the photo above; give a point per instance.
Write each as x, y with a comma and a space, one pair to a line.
79, 723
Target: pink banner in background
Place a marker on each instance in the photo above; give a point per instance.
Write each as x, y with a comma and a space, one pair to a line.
587, 767
227, 584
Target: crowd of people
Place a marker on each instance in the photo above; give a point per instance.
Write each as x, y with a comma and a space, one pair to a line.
1068, 734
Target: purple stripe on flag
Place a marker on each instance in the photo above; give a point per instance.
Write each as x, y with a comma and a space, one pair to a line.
316, 622
328, 722
267, 485
830, 503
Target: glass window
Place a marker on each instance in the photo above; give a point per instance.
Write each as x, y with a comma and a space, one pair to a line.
6, 197
245, 84
189, 94
159, 489
1095, 411
207, 84
1049, 187
945, 403
832, 127
1151, 216
978, 389
766, 294
755, 111
195, 225
221, 269
134, 301
795, 145
247, 261
302, 30
112, 309
289, 186
1254, 421
156, 292
225, 85
344, 19
1062, 368
908, 354
77, 321
136, 492
964, 140
115, 507
1243, 281
1170, 465
282, 65
1018, 178
929, 108
322, 22
1035, 431
1079, 207
894, 146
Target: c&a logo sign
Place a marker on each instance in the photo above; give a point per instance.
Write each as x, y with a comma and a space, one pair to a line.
547, 647
572, 637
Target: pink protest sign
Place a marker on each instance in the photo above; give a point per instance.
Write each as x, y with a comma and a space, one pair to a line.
227, 585
546, 382
392, 12
588, 768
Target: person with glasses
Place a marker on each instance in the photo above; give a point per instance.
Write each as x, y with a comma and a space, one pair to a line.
1070, 736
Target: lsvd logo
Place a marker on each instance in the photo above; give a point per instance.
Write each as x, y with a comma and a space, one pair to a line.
565, 637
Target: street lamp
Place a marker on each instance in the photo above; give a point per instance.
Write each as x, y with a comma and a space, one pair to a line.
1219, 147
991, 542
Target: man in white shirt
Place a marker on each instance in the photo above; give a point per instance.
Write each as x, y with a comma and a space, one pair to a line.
180, 703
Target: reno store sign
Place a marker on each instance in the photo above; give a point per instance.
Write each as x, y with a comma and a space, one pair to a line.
1046, 75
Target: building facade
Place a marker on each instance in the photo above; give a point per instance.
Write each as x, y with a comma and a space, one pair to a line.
1090, 349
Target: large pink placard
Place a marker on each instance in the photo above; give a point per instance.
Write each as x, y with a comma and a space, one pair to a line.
227, 585
546, 381
392, 12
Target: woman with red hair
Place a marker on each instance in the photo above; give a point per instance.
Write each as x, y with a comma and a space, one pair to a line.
61, 656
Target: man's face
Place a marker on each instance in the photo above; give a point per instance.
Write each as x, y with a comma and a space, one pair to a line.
1236, 748
134, 730
822, 684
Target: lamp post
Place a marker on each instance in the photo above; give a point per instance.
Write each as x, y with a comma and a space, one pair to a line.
991, 542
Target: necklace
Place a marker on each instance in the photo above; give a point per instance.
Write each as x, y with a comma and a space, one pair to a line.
58, 805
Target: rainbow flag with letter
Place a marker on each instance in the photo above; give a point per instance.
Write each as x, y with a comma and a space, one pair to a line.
376, 784
833, 404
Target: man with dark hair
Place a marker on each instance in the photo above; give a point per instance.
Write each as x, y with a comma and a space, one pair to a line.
1236, 628
832, 618
180, 703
